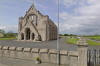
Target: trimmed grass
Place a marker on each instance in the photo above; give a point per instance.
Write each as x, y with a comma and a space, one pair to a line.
94, 37
92, 43
7, 38
72, 40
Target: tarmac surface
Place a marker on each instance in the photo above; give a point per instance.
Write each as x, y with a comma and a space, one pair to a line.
5, 61
47, 44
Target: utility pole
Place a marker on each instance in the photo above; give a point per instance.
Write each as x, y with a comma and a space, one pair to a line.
58, 49
33, 1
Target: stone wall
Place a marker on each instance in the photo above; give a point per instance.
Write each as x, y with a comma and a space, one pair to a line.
46, 55
70, 58
35, 26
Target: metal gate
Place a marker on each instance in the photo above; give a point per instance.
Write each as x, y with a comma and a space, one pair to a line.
93, 57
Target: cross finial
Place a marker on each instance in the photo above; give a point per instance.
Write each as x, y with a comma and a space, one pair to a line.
33, 2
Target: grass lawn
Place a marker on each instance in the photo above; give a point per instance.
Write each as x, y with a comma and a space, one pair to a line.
7, 38
92, 43
72, 40
94, 37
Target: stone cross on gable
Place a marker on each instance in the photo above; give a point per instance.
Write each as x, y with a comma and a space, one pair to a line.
32, 1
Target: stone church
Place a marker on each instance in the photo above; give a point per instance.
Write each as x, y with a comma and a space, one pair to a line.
36, 27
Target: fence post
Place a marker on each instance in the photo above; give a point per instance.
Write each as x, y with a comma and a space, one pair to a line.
99, 56
82, 51
95, 57
89, 58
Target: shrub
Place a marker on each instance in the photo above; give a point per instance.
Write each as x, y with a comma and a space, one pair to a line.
1, 35
37, 59
10, 35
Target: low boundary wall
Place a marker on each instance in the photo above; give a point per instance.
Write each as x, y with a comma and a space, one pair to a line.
46, 55
70, 58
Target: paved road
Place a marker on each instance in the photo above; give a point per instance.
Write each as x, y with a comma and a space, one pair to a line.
5, 61
47, 44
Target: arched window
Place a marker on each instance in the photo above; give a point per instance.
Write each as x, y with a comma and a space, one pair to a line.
20, 26
22, 36
32, 17
36, 20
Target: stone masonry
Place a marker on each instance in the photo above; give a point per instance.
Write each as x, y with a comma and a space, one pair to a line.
36, 27
68, 58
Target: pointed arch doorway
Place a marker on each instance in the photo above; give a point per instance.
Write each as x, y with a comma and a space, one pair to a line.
33, 36
28, 34
22, 36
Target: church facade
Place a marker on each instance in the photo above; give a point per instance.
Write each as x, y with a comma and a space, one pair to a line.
36, 27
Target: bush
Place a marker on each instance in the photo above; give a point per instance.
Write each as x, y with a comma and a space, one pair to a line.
9, 35
2, 31
1, 35
37, 59
61, 34
66, 35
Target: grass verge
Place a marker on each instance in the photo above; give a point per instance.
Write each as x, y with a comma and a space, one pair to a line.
72, 40
7, 38
92, 43
94, 37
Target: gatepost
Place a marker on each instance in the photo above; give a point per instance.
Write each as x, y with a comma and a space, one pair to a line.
82, 51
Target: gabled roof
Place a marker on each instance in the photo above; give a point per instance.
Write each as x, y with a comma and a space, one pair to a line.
32, 8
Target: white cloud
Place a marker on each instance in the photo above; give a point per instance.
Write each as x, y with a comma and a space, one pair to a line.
93, 2
68, 3
8, 28
30, 1
71, 3
2, 27
65, 16
87, 20
84, 19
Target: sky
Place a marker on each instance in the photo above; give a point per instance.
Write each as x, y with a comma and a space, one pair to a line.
76, 16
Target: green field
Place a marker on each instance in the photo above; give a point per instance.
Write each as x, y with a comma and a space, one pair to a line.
72, 40
92, 43
94, 37
75, 40
7, 38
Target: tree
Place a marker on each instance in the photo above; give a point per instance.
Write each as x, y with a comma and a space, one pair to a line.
2, 31
66, 35
9, 35
61, 34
